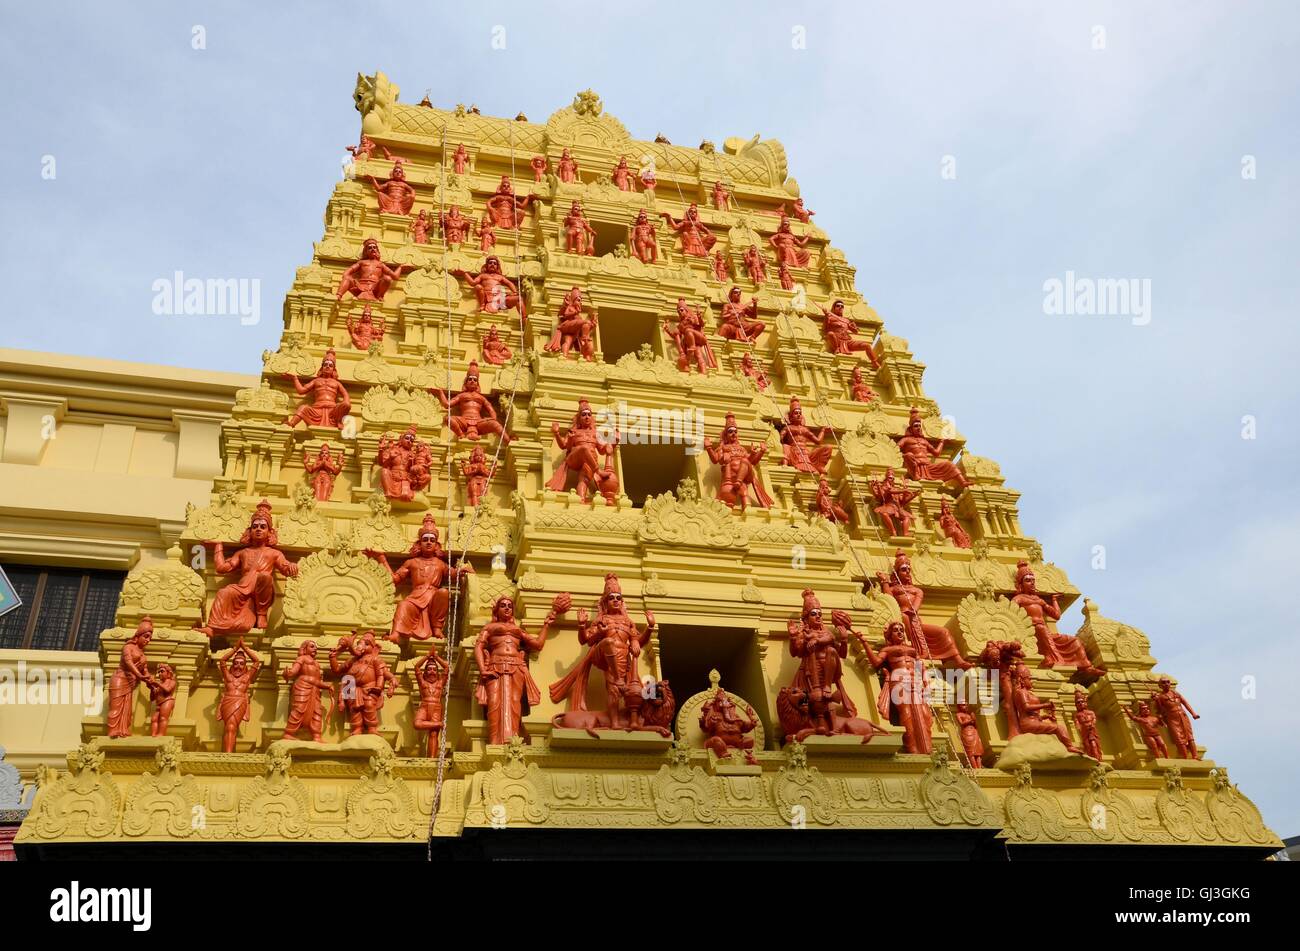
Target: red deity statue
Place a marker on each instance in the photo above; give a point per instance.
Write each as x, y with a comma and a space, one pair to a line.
753, 371
455, 226
689, 338
495, 292
422, 614
162, 694
469, 412
367, 681
921, 454
366, 330
643, 240
566, 169
239, 669
859, 388
789, 246
697, 240
968, 726
420, 228
540, 165
487, 234
506, 687
243, 605
798, 211
892, 501
1085, 720
396, 196
802, 444
369, 278
573, 327
1004, 657
1149, 724
132, 670
826, 506
323, 470
785, 277
1170, 706
1058, 650
579, 235
614, 647
477, 472
506, 208
950, 527
460, 159
405, 465
721, 196
721, 271
622, 176
903, 694
431, 673
366, 149
932, 641
755, 266
583, 445
725, 730
1037, 716
329, 400
839, 330
738, 467
493, 349
307, 680
738, 320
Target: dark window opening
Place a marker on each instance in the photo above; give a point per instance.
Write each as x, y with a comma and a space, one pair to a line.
625, 331
62, 609
688, 653
651, 469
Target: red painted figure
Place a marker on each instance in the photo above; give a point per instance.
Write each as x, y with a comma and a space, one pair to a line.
305, 708
162, 694
721, 196
622, 176
903, 693
366, 681
583, 445
329, 400
737, 463
951, 527
132, 670
573, 327
493, 349
753, 371
689, 338
721, 272
643, 239
366, 330
487, 234
505, 687
934, 642
396, 196
820, 677
799, 211
784, 276
239, 669
579, 235
789, 246
1149, 724
477, 472
755, 266
738, 320
724, 729
970, 735
431, 673
460, 159
697, 240
323, 470
1085, 719
1058, 650
506, 208
420, 228
840, 332
921, 454
495, 292
567, 169
1037, 716
539, 165
405, 465
366, 148
369, 278
1170, 706
826, 506
455, 226
243, 605
802, 444
422, 614
859, 388
469, 412
892, 501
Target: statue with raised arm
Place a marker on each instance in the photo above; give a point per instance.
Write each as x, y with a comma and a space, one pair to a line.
132, 670
622, 175
755, 265
1085, 720
495, 292
1170, 706
460, 159
798, 211
539, 165
721, 196
1058, 650
506, 688
840, 331
738, 320
469, 413
369, 278
583, 445
691, 341
395, 195
243, 605
931, 641
507, 209
328, 397
431, 673
802, 444
366, 330
422, 614
162, 695
697, 240
737, 464
789, 246
455, 226
1149, 724
239, 668
305, 707
574, 328
892, 501
921, 454
903, 696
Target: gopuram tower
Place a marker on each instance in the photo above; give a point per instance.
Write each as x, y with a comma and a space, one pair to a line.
586, 492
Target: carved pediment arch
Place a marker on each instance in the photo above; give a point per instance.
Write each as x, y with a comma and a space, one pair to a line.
342, 589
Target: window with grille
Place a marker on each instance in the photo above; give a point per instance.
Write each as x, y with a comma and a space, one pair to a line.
62, 609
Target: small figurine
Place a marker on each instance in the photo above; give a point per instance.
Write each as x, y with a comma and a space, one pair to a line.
367, 681
566, 169
239, 668
754, 265
1150, 726
366, 149
1170, 704
495, 291
396, 196
721, 196
304, 696
487, 234
1085, 719
460, 159
721, 272
422, 614
904, 689
506, 208
132, 670
573, 328
1037, 716
477, 473
932, 641
789, 246
405, 465
329, 397
583, 445
784, 276
724, 729
643, 239
921, 454
579, 235
431, 673
738, 320
859, 389
892, 501
505, 686
970, 736
493, 349
469, 412
826, 506
802, 444
540, 166
697, 240
243, 605
420, 228
162, 694
690, 339
455, 227
323, 470
950, 527
737, 463
369, 278
366, 330
798, 211
753, 371
1058, 650
622, 175
839, 330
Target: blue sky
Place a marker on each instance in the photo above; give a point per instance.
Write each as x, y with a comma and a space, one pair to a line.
1119, 162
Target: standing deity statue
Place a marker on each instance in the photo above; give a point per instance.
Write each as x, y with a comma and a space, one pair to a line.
801, 444
738, 467
369, 278
323, 470
405, 465
455, 226
239, 668
968, 726
859, 388
826, 506
420, 225
932, 641
622, 175
132, 670
921, 454
396, 196
328, 397
367, 681
431, 674
892, 501
951, 528
697, 240
573, 328
1149, 724
725, 730
904, 691
162, 694
469, 412
539, 165
243, 605
784, 276
721, 196
579, 235
614, 647
422, 614
1005, 657
506, 687
643, 240
721, 271
789, 246
753, 371
1058, 650
840, 332
755, 266
493, 349
495, 292
487, 234
1037, 716
1085, 720
738, 320
460, 159
366, 330
583, 445
507, 209
305, 708
566, 169
1170, 706
691, 341
477, 472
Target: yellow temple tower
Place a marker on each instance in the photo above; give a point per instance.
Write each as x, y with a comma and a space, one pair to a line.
764, 455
